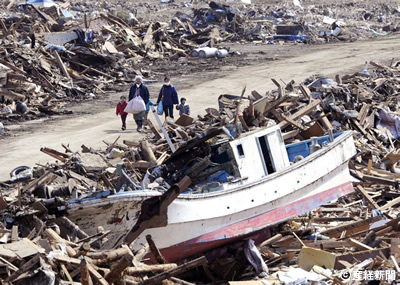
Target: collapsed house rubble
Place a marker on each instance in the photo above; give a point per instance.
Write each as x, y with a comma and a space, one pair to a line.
358, 234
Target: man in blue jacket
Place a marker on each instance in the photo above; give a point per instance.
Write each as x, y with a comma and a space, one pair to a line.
169, 97
139, 89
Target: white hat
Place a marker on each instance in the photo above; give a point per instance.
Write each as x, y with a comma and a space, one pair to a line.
138, 77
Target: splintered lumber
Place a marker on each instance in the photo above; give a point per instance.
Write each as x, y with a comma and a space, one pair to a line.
155, 268
154, 249
396, 265
157, 135
282, 118
61, 64
131, 143
361, 255
113, 144
108, 256
390, 204
176, 271
115, 273
98, 279
256, 95
153, 211
351, 227
72, 227
359, 245
271, 240
281, 91
272, 105
10, 265
55, 238
306, 91
370, 201
66, 273
27, 266
9, 65
147, 152
54, 153
379, 180
299, 113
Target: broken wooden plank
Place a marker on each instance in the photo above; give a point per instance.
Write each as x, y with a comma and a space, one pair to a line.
56, 154
61, 65
154, 249
175, 271
351, 227
27, 266
370, 201
154, 268
359, 245
301, 112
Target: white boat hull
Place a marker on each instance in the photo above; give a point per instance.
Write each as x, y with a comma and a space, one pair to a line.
200, 221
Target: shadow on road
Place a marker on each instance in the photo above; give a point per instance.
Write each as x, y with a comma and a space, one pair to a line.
110, 132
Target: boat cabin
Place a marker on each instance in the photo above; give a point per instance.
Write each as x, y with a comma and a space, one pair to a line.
258, 154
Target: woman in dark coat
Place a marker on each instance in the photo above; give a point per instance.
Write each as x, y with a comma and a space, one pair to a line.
139, 89
169, 97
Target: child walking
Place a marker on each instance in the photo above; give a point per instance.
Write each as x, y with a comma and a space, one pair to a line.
183, 107
120, 111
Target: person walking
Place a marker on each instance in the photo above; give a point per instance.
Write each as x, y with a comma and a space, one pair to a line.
183, 107
169, 97
139, 89
120, 111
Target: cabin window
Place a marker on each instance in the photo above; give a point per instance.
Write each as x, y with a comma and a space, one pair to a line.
240, 150
266, 153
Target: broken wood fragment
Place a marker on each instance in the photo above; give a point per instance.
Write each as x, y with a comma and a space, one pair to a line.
175, 271
154, 249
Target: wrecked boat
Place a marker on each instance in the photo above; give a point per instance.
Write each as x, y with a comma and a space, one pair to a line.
232, 188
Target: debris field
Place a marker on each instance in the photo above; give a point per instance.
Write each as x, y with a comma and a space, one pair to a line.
49, 58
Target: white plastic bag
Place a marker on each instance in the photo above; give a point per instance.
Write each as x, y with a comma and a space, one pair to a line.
135, 106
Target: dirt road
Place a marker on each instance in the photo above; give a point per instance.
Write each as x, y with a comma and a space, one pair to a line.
92, 129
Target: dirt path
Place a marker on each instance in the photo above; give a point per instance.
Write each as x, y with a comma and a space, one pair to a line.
91, 130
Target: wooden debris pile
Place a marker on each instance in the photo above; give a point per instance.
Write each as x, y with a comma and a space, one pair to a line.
354, 239
44, 249
361, 226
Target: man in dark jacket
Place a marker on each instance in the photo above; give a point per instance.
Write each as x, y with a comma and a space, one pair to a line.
139, 89
168, 96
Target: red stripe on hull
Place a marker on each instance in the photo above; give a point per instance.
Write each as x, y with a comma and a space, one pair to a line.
253, 225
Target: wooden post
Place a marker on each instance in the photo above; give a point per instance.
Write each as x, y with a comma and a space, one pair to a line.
176, 271
61, 64
85, 276
54, 237
96, 276
155, 268
72, 227
271, 240
115, 274
154, 130
156, 252
147, 152
163, 129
